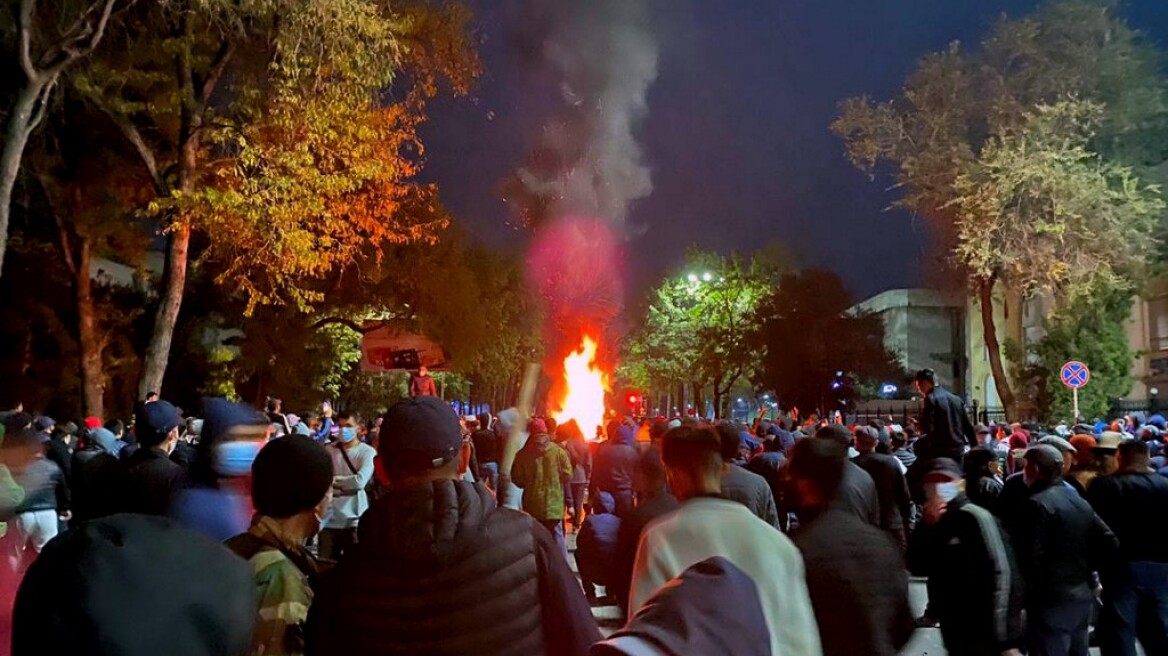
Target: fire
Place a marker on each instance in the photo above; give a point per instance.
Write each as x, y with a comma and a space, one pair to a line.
584, 388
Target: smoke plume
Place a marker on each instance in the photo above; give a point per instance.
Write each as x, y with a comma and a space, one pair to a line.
586, 161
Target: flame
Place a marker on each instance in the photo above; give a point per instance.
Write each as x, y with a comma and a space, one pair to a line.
584, 388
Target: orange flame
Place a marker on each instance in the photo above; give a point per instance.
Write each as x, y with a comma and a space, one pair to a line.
584, 388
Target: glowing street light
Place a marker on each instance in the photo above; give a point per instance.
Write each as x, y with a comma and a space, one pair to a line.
692, 277
707, 276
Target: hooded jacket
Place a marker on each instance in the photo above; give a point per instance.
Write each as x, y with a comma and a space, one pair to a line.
93, 476
542, 469
615, 462
439, 570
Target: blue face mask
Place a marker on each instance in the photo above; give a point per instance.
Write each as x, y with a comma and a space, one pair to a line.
348, 434
235, 458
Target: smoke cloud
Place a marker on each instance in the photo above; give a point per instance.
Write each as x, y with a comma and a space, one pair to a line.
586, 161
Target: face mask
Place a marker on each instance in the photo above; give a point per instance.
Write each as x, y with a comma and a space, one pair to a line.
348, 434
946, 491
235, 458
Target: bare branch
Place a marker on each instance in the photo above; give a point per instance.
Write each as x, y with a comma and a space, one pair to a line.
134, 136
25, 27
43, 98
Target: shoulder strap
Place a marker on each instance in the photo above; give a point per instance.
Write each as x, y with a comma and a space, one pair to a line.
345, 455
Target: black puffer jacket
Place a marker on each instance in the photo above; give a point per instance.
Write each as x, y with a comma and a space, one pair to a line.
440, 569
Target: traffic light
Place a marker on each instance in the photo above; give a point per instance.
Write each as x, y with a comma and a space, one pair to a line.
634, 400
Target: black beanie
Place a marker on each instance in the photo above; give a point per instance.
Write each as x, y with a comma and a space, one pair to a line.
291, 474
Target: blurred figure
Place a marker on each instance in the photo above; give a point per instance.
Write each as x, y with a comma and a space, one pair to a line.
46, 497
217, 500
891, 488
486, 446
855, 573
712, 608
983, 477
1135, 587
135, 585
747, 488
148, 482
421, 384
975, 586
705, 526
572, 439
275, 410
857, 492
613, 466
1085, 468
542, 469
292, 489
655, 500
440, 569
596, 546
95, 475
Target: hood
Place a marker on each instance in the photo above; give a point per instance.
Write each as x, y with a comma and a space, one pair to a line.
537, 443
105, 439
626, 435
427, 525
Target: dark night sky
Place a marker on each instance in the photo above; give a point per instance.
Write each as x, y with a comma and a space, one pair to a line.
737, 133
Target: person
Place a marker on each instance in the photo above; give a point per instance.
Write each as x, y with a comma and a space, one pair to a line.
95, 475
769, 464
596, 546
134, 585
706, 525
148, 481
1135, 586
613, 466
1105, 450
945, 424
572, 438
983, 477
324, 424
542, 469
44, 428
274, 408
899, 443
1085, 468
984, 437
749, 489
891, 489
486, 446
434, 543
712, 608
857, 494
1060, 542
655, 501
1067, 450
46, 496
217, 498
975, 586
185, 452
855, 572
421, 384
352, 471
59, 448
291, 487
151, 397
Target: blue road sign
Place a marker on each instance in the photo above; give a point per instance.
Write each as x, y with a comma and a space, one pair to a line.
1074, 374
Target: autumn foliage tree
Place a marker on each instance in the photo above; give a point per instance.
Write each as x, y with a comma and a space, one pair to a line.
1036, 157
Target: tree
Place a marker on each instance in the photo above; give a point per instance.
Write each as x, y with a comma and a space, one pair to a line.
806, 334
1066, 98
77, 28
263, 127
698, 324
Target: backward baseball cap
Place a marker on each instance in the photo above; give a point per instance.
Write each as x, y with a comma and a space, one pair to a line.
419, 433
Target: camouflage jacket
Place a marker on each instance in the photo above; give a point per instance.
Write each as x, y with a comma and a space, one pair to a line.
284, 576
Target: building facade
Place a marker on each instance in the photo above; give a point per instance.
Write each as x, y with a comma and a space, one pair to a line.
925, 328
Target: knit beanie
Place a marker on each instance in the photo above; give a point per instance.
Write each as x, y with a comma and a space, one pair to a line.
291, 474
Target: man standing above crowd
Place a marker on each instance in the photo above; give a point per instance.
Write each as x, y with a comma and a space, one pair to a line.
1132, 501
707, 525
421, 384
945, 426
441, 569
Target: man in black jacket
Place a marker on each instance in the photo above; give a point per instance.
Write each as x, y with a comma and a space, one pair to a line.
855, 574
891, 490
1060, 542
655, 500
975, 586
440, 568
945, 430
148, 481
1134, 503
857, 491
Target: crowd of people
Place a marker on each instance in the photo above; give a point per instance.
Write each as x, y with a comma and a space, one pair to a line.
422, 532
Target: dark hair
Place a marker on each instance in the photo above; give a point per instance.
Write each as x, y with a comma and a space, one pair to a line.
977, 462
926, 376
730, 440
17, 422
821, 462
569, 431
658, 430
115, 426
150, 395
650, 467
1133, 451
697, 451
272, 403
24, 438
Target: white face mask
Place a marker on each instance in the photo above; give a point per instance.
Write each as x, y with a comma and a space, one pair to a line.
945, 491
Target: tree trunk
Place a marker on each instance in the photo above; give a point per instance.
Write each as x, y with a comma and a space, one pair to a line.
21, 122
174, 280
92, 375
985, 290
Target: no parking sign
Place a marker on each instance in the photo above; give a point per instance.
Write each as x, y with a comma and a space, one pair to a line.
1074, 375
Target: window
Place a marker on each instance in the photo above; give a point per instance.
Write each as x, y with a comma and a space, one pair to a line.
1158, 323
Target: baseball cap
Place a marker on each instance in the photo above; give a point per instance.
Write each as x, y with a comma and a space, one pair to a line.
944, 467
92, 422
45, 423
155, 421
420, 431
981, 429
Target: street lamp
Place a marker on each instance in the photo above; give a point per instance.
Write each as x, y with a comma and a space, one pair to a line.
707, 276
692, 277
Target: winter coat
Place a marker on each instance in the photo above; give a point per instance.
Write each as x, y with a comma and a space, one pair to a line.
486, 445
858, 585
984, 491
615, 462
752, 491
631, 527
596, 546
1060, 542
284, 575
581, 456
441, 570
857, 495
1131, 503
975, 585
946, 426
542, 468
148, 482
44, 487
891, 493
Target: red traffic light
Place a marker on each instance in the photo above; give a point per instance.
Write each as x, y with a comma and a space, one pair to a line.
634, 399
